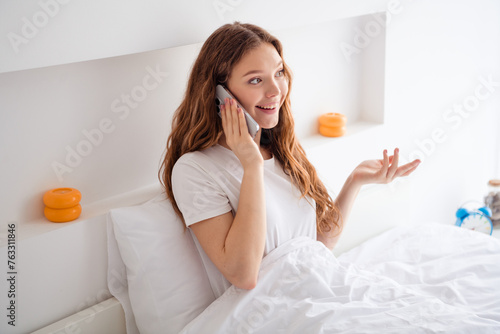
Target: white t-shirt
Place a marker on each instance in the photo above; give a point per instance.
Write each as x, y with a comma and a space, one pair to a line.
207, 184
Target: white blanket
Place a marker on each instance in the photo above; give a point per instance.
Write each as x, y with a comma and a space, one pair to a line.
426, 279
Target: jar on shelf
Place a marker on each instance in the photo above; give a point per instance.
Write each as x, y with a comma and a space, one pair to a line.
492, 200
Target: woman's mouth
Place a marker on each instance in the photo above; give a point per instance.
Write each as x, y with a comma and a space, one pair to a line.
268, 108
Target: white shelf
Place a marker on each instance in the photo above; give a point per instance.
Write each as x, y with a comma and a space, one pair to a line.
335, 158
352, 130
41, 226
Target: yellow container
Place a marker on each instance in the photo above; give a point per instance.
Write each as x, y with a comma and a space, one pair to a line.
62, 204
332, 124
62, 215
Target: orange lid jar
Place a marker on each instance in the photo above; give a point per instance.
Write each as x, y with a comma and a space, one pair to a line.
62, 204
332, 124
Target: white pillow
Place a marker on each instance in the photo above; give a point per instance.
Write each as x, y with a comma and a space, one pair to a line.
150, 251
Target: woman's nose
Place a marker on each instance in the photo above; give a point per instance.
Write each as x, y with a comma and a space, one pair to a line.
272, 89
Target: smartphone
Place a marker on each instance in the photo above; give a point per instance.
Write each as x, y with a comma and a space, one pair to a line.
221, 93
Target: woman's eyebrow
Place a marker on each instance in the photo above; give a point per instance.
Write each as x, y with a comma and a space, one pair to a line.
279, 64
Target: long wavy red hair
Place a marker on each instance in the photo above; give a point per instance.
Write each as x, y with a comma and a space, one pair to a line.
196, 125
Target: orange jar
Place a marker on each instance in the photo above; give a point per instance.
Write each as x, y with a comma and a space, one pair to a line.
332, 124
62, 204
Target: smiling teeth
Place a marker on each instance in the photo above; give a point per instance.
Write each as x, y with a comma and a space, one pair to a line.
268, 107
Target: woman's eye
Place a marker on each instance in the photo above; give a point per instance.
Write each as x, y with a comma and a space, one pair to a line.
255, 81
280, 73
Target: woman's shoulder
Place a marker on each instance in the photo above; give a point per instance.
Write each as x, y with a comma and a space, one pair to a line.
190, 157
202, 159
191, 164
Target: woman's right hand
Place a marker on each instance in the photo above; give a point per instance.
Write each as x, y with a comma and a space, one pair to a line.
237, 137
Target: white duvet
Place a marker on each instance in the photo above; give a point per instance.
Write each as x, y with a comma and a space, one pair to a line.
426, 279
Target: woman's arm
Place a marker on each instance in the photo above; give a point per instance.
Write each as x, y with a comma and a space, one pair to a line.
236, 245
371, 171
344, 202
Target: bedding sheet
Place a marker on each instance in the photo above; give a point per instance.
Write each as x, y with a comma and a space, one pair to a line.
426, 279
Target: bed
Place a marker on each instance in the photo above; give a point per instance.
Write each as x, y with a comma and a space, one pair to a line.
430, 278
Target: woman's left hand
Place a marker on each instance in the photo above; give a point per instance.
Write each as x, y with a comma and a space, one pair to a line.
383, 170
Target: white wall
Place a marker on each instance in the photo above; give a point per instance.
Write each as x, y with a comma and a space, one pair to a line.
50, 32
99, 126
437, 53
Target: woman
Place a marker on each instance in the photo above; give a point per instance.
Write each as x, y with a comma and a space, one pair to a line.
240, 196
